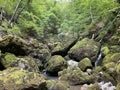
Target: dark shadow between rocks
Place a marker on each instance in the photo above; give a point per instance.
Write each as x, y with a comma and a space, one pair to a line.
2, 67
63, 52
13, 48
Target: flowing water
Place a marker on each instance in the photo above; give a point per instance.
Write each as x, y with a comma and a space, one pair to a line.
99, 56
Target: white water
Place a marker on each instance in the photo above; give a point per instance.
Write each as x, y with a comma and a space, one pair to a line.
99, 57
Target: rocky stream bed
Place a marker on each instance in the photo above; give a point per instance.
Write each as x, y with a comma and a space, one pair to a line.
68, 65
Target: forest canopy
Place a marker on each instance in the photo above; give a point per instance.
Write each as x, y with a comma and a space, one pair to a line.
43, 18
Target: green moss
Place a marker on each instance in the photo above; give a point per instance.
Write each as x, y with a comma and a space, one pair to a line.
97, 69
79, 44
84, 63
94, 87
110, 68
50, 83
105, 50
17, 74
84, 48
8, 59
75, 76
112, 57
118, 86
57, 48
56, 64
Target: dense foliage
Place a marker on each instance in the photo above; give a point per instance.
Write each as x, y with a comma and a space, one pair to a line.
45, 18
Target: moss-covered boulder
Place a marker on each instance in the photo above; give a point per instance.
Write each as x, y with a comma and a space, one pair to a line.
105, 73
8, 59
18, 79
118, 86
111, 57
21, 47
114, 49
55, 64
26, 63
105, 50
57, 85
109, 68
95, 86
38, 50
63, 46
84, 48
84, 64
117, 69
115, 40
75, 75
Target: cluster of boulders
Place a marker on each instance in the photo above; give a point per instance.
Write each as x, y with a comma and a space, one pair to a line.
23, 61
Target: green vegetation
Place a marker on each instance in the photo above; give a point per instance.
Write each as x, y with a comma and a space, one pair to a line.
46, 18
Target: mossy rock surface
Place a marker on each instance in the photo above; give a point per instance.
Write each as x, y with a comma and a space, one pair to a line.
105, 50
84, 64
63, 46
22, 47
95, 86
84, 48
118, 86
18, 79
8, 59
57, 85
55, 64
26, 63
111, 57
110, 68
75, 76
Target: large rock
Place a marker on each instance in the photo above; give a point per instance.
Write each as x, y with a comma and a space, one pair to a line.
21, 47
84, 64
75, 75
63, 47
55, 64
26, 63
111, 57
84, 48
18, 79
57, 85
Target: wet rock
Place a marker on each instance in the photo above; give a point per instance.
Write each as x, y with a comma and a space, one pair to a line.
55, 64
84, 64
26, 63
84, 48
75, 76
18, 79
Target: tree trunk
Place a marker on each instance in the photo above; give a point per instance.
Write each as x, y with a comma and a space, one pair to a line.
22, 10
13, 16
